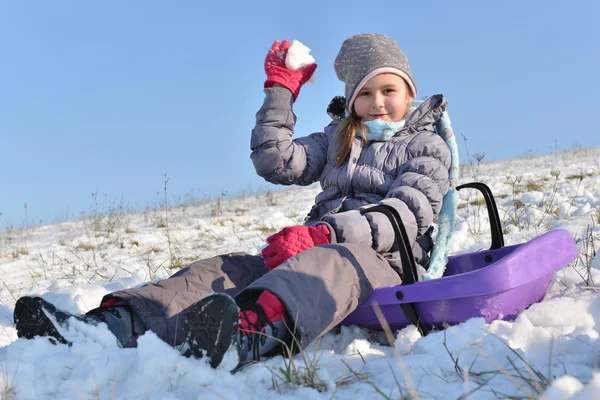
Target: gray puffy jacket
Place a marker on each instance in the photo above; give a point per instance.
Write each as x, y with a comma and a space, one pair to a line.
408, 172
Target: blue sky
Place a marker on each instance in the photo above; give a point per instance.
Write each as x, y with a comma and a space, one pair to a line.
106, 97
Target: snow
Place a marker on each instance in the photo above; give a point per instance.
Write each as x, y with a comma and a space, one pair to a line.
551, 350
298, 56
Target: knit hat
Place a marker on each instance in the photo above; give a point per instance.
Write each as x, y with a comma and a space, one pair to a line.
366, 55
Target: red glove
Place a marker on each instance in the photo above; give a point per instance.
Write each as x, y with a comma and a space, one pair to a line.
273, 309
293, 240
278, 73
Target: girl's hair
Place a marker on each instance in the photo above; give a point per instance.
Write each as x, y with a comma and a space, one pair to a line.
346, 133
348, 128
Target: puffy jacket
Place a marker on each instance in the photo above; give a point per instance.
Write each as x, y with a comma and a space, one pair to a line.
408, 172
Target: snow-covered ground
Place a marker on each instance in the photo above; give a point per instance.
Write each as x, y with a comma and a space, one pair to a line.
551, 350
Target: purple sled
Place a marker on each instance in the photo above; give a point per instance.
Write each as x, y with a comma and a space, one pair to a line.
493, 284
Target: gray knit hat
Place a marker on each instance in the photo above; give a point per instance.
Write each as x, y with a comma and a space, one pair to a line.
366, 55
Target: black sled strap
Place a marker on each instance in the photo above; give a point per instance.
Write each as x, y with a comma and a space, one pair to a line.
409, 267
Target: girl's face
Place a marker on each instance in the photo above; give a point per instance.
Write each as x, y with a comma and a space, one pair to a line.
384, 96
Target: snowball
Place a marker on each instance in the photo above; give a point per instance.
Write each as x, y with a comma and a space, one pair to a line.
298, 56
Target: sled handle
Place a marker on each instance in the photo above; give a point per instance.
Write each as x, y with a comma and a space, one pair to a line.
490, 202
401, 243
409, 267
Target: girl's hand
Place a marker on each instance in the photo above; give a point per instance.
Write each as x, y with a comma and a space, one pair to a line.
293, 240
278, 74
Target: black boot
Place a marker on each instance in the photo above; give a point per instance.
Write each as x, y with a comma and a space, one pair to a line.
35, 316
264, 340
212, 327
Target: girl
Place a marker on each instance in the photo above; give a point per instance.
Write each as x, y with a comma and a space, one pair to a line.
310, 277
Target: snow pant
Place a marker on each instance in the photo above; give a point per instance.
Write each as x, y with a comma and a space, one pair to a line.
319, 288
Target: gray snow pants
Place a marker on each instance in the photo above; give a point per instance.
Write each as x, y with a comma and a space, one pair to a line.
319, 287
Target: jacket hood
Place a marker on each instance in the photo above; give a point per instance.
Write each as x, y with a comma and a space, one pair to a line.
427, 113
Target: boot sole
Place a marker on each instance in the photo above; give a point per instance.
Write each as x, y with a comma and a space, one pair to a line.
212, 326
31, 319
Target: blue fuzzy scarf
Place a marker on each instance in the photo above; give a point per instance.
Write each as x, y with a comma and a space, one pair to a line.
381, 131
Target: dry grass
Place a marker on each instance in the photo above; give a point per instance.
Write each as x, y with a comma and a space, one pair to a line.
533, 187
575, 177
293, 374
266, 230
87, 246
20, 251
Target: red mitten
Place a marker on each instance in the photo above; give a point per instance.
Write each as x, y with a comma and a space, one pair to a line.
293, 240
278, 73
273, 309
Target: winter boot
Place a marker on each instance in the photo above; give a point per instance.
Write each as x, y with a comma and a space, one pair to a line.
35, 316
255, 328
263, 327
